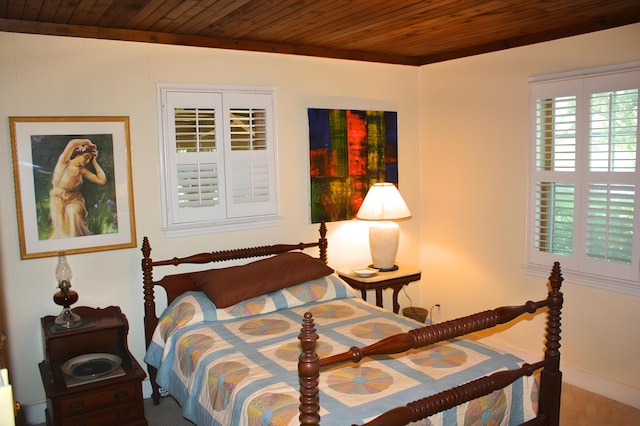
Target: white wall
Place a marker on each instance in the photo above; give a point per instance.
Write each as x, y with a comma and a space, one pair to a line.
41, 75
474, 136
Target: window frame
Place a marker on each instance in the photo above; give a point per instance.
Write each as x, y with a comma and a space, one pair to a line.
579, 269
264, 215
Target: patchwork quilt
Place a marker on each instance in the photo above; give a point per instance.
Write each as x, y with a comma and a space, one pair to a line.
238, 365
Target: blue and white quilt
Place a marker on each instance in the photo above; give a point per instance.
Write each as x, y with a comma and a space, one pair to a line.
238, 365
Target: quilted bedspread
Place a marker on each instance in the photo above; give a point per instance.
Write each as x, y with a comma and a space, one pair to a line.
238, 366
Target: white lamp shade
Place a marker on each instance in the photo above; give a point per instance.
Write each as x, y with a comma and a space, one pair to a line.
383, 202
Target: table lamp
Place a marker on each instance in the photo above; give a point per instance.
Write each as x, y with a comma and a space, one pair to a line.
382, 205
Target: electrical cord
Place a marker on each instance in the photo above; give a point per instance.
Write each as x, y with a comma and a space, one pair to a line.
437, 305
404, 290
413, 308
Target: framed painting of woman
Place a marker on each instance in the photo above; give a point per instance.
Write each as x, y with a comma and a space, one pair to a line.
73, 184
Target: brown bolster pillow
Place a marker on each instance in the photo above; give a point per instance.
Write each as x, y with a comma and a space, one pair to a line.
228, 286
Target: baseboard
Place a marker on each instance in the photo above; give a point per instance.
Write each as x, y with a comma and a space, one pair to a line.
146, 388
34, 413
583, 379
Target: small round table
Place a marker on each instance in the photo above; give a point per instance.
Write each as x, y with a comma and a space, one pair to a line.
393, 279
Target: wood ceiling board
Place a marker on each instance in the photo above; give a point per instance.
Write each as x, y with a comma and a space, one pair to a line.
408, 32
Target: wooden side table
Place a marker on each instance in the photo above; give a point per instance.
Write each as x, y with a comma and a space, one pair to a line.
394, 279
113, 399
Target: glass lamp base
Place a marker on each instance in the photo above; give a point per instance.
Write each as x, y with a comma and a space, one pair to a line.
67, 319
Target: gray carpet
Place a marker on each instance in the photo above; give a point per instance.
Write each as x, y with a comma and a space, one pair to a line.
167, 413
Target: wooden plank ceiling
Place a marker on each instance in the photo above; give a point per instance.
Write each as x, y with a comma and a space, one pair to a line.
410, 32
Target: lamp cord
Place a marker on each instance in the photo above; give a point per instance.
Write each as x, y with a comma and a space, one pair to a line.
404, 289
429, 313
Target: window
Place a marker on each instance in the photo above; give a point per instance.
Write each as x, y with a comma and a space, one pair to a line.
219, 158
584, 179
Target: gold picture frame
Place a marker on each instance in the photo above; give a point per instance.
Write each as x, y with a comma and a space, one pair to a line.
73, 184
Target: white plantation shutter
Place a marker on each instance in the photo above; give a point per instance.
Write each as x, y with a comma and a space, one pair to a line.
554, 197
197, 169
585, 205
219, 157
195, 159
612, 178
197, 185
610, 216
251, 182
554, 212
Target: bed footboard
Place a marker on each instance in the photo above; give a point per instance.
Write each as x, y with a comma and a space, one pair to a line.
425, 407
309, 364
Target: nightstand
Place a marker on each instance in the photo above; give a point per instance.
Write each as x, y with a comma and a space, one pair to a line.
115, 398
393, 279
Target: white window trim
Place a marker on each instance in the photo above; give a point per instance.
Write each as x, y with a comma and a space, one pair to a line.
210, 226
588, 280
631, 287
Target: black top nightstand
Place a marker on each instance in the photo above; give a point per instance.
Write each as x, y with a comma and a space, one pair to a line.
393, 279
115, 398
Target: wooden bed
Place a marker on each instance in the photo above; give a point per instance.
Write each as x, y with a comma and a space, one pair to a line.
311, 366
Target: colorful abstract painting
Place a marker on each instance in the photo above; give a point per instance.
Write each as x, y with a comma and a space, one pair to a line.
349, 151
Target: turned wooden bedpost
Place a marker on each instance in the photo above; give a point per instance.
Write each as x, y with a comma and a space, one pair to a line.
308, 373
150, 319
551, 376
424, 336
323, 243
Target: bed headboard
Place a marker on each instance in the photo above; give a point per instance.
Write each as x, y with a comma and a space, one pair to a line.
177, 284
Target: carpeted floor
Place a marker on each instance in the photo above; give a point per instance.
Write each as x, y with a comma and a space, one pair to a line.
167, 413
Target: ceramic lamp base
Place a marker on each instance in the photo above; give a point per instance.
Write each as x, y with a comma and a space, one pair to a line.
384, 237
